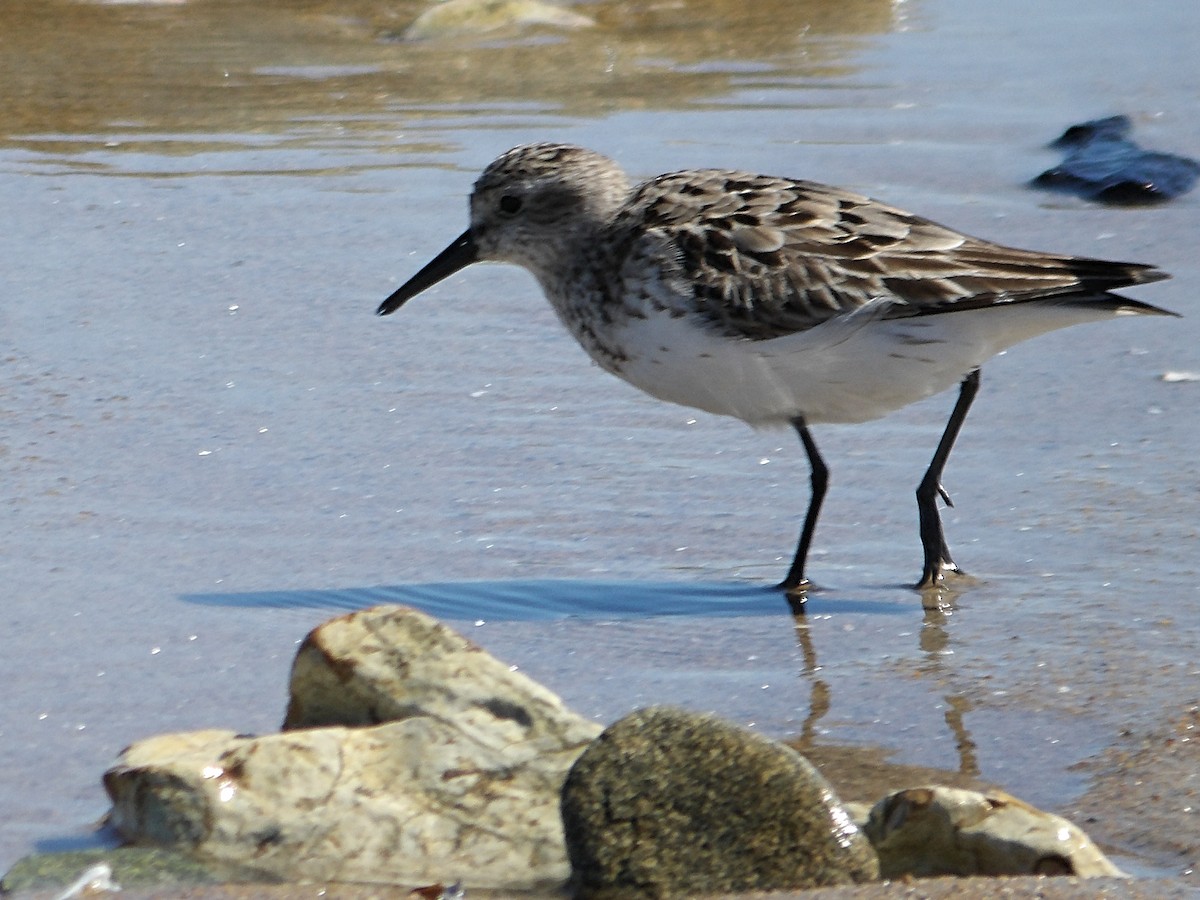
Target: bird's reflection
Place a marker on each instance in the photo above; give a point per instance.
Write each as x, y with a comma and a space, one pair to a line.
818, 691
934, 639
957, 706
934, 642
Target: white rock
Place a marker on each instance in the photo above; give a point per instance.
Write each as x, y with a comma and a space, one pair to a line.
460, 782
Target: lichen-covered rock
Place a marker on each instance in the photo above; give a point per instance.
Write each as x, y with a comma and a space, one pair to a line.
408, 802
667, 803
460, 782
929, 831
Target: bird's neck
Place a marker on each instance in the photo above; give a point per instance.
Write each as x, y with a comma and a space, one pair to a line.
582, 295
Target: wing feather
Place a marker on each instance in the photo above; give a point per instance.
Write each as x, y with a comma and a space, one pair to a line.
760, 257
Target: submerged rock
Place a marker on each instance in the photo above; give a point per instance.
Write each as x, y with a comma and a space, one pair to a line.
668, 803
460, 782
1103, 164
471, 17
934, 830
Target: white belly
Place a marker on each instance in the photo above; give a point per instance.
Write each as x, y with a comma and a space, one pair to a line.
851, 369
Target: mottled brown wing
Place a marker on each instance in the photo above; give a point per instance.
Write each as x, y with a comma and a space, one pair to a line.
765, 257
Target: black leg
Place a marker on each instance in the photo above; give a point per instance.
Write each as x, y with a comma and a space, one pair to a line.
795, 580
933, 539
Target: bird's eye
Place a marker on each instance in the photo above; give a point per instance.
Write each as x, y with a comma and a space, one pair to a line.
510, 204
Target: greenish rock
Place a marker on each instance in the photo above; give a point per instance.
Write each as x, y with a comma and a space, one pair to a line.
670, 803
130, 867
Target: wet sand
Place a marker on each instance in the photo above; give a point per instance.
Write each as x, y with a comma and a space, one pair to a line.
211, 444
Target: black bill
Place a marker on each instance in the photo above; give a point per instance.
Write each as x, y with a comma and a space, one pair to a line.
458, 255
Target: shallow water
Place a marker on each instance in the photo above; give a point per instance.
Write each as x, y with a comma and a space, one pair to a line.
211, 444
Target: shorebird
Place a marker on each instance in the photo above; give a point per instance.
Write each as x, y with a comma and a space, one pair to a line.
773, 300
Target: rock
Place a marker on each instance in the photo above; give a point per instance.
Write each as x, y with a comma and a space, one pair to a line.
667, 803
460, 782
930, 831
389, 663
471, 17
1103, 164
129, 867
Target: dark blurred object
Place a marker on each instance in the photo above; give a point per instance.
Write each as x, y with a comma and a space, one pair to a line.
1103, 164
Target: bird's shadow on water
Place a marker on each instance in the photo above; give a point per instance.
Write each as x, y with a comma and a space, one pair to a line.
534, 600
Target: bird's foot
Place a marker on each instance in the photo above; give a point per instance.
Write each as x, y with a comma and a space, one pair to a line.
936, 572
941, 583
797, 593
